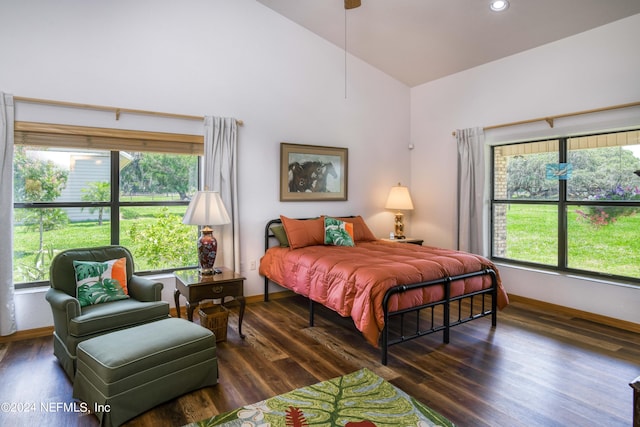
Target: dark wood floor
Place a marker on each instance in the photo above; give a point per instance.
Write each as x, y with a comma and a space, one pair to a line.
537, 368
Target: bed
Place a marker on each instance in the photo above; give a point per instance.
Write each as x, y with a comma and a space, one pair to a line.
375, 281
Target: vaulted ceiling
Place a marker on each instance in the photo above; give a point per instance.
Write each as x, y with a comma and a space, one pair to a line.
416, 41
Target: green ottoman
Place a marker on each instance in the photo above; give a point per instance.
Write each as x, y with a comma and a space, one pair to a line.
125, 373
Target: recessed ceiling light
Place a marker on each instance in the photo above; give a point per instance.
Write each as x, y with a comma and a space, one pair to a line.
499, 5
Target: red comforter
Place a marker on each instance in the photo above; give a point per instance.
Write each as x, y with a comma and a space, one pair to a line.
353, 280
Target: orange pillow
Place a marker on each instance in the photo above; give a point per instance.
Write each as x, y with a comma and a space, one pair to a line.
119, 272
349, 227
303, 232
361, 232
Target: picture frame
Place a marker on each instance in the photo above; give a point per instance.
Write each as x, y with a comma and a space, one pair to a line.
312, 173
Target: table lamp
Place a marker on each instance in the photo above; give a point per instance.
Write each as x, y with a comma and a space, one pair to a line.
206, 209
399, 199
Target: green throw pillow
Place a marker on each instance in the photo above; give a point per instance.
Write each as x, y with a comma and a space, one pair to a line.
95, 283
336, 232
281, 235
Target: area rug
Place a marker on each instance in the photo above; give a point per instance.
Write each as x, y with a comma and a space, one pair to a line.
359, 399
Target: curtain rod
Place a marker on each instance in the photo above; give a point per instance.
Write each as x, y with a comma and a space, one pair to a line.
550, 120
116, 110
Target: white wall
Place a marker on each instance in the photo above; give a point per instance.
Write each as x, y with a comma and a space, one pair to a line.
594, 69
217, 57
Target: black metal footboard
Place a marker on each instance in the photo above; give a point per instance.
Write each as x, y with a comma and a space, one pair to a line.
446, 303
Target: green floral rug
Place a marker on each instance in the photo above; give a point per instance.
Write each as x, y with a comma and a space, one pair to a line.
359, 399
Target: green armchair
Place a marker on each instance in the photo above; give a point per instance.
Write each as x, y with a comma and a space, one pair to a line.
73, 323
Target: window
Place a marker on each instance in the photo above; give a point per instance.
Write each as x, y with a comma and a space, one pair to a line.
74, 196
571, 204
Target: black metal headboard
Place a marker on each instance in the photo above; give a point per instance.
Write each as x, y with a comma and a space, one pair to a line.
268, 235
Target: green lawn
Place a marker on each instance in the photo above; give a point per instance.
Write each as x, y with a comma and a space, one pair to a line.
611, 249
87, 234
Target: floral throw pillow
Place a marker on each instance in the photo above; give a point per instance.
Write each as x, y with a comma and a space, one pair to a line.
98, 282
337, 232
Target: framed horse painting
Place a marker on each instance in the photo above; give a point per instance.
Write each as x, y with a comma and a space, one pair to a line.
312, 172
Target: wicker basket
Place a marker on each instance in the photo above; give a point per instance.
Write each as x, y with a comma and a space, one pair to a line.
215, 318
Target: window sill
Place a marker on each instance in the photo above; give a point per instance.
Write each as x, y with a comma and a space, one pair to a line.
32, 290
569, 275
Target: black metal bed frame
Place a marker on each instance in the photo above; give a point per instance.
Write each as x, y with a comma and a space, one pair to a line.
446, 303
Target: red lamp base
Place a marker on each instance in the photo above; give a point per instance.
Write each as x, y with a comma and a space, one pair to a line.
207, 250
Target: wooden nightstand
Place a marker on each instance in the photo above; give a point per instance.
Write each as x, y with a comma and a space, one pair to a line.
405, 240
195, 288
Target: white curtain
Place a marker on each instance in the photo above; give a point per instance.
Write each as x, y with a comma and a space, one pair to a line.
471, 190
221, 174
7, 304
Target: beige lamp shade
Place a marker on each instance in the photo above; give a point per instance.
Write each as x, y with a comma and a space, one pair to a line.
206, 208
399, 199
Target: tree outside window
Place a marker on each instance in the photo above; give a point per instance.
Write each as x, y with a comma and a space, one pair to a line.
59, 204
585, 220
